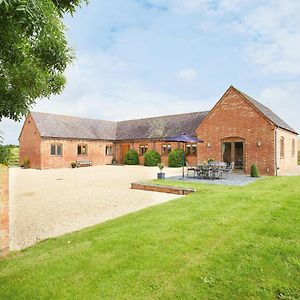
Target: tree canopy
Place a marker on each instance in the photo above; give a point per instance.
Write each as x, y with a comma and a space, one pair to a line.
34, 52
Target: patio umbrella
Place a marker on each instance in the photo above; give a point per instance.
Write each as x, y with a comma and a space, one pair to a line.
183, 138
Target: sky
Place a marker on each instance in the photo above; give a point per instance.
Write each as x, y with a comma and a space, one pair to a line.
141, 58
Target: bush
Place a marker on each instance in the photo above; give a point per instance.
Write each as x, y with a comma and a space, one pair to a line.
175, 158
26, 163
151, 158
5, 154
131, 158
254, 171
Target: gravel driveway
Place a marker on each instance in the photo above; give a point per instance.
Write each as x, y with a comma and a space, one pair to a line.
48, 203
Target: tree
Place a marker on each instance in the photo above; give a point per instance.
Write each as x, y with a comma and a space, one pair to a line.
33, 52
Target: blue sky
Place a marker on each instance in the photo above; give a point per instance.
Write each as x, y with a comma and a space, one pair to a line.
139, 58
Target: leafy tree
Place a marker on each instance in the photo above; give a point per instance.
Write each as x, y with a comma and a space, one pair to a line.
34, 52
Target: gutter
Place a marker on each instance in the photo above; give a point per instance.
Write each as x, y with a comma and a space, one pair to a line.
276, 166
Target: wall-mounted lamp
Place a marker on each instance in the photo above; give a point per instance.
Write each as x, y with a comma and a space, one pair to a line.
258, 143
208, 145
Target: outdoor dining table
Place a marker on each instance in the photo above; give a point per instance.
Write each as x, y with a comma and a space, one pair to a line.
213, 170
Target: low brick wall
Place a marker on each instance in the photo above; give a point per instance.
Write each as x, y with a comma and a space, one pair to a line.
4, 222
161, 188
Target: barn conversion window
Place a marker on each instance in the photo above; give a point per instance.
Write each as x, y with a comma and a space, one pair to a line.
109, 150
56, 149
282, 147
82, 149
293, 148
166, 149
143, 149
191, 149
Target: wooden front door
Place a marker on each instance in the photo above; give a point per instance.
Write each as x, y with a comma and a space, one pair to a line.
124, 150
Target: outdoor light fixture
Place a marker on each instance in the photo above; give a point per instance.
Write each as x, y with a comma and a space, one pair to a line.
208, 145
258, 143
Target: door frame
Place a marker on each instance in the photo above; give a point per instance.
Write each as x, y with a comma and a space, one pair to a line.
122, 146
234, 140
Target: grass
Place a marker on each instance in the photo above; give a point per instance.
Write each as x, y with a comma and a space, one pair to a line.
217, 243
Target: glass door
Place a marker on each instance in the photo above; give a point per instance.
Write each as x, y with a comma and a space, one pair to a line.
239, 155
233, 151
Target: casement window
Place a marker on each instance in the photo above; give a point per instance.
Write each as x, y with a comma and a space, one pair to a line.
82, 149
293, 148
166, 149
56, 150
109, 150
143, 149
191, 149
282, 147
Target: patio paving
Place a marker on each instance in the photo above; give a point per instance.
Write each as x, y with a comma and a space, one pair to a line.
233, 179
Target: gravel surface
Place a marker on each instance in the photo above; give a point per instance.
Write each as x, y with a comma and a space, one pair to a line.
49, 203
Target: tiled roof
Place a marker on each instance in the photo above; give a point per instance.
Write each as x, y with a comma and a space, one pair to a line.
59, 126
267, 112
160, 127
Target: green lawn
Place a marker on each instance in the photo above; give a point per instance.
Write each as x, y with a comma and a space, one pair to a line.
218, 243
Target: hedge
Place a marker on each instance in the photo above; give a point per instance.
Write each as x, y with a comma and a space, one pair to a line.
175, 158
131, 158
151, 158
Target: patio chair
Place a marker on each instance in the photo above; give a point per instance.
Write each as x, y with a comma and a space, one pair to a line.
190, 169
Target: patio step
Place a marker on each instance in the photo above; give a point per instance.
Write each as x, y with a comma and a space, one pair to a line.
161, 188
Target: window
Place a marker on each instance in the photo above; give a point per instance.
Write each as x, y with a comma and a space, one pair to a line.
282, 147
191, 149
82, 150
166, 149
56, 149
293, 148
143, 149
109, 150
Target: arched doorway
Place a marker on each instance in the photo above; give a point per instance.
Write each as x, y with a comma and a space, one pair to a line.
233, 151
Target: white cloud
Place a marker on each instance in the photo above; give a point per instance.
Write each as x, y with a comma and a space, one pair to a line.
188, 74
284, 101
275, 43
101, 86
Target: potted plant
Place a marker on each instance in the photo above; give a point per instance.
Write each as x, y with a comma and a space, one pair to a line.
161, 175
73, 165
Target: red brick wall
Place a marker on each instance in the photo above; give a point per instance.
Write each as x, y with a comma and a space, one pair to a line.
4, 214
95, 153
234, 117
157, 145
29, 142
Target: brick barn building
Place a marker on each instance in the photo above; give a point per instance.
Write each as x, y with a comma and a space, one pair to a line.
238, 129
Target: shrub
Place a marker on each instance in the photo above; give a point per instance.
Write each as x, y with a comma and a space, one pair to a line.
175, 158
151, 158
26, 163
131, 158
5, 154
254, 171
210, 160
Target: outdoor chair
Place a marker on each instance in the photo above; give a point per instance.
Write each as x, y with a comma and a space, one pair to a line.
190, 169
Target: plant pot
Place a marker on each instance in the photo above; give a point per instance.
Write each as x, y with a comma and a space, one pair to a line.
161, 175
